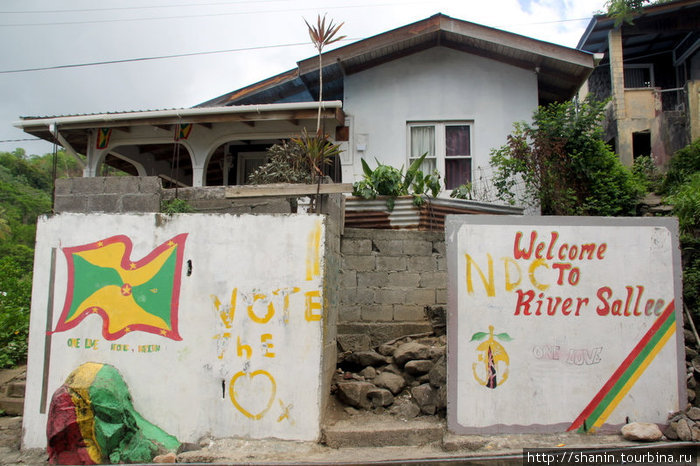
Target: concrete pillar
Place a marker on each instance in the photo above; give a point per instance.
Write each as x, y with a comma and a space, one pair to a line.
693, 92
617, 82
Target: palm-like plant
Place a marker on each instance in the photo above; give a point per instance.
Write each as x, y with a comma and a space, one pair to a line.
321, 36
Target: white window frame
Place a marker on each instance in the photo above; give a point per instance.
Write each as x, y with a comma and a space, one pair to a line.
242, 157
441, 143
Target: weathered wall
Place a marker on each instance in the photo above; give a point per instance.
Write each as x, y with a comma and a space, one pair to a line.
387, 279
580, 319
218, 323
113, 194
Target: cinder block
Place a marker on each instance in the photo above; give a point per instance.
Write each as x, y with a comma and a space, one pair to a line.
441, 297
356, 246
92, 185
420, 296
433, 279
417, 248
63, 186
441, 263
372, 279
150, 184
121, 184
439, 247
104, 203
364, 296
349, 313
377, 313
391, 263
70, 203
403, 280
390, 296
140, 203
359, 263
422, 263
408, 312
348, 278
389, 247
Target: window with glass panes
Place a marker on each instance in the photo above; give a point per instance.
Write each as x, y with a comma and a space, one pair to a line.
448, 149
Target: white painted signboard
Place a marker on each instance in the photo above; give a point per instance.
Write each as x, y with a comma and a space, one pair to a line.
563, 323
214, 321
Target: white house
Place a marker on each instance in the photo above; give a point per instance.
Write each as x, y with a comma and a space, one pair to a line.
441, 85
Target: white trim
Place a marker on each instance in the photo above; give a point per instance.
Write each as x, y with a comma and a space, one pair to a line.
183, 113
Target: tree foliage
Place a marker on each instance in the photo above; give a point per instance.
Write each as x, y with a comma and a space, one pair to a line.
25, 194
565, 165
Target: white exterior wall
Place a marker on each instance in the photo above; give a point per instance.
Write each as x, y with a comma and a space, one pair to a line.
438, 84
229, 333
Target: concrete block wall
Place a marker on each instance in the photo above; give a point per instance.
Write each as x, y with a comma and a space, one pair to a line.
387, 279
110, 194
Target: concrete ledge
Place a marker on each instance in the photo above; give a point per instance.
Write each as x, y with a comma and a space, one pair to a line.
380, 431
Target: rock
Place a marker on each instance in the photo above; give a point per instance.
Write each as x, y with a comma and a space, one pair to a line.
355, 393
691, 395
393, 368
436, 352
695, 433
694, 413
386, 350
380, 397
167, 458
670, 431
641, 432
437, 317
695, 362
368, 372
689, 337
418, 366
683, 430
404, 408
438, 374
354, 342
426, 397
94, 405
441, 398
392, 382
409, 351
425, 378
351, 411
366, 358
692, 383
690, 353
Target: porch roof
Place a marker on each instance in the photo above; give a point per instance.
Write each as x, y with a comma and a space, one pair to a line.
75, 129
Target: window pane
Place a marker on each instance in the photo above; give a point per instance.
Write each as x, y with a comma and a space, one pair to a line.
457, 172
427, 166
422, 141
457, 140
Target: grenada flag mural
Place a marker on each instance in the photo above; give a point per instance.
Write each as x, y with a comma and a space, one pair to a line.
129, 295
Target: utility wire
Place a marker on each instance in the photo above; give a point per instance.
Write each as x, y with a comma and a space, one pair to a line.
181, 5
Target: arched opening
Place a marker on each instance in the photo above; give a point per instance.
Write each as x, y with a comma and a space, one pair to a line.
233, 162
171, 162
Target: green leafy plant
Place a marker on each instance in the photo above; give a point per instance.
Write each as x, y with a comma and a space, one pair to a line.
176, 206
318, 150
646, 174
686, 205
566, 167
287, 163
15, 297
684, 164
389, 181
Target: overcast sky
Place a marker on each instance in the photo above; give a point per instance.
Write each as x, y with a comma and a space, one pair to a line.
267, 36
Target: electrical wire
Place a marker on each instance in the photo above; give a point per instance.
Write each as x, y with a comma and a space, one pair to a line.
121, 8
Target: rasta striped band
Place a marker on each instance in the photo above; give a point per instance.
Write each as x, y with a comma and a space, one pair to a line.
622, 380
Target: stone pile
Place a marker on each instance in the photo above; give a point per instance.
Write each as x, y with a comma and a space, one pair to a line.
684, 425
692, 365
405, 377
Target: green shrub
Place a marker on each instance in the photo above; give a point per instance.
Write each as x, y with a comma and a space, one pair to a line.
684, 164
15, 298
389, 181
176, 206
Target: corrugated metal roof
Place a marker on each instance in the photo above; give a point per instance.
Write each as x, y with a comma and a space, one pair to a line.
373, 213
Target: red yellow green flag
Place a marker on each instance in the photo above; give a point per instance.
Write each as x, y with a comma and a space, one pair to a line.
129, 295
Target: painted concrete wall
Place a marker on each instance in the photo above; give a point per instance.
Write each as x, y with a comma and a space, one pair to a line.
216, 331
438, 84
583, 341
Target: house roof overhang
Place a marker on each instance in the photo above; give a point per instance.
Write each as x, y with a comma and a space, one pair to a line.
668, 27
75, 128
560, 70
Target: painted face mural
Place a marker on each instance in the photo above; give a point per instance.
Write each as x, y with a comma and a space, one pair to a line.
493, 364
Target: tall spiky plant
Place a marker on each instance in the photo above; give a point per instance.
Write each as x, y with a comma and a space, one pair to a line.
321, 36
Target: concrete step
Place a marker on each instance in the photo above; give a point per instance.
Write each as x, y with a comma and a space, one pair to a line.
380, 431
12, 406
15, 389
